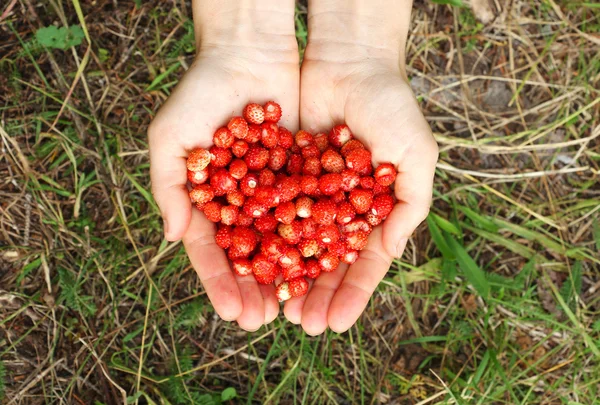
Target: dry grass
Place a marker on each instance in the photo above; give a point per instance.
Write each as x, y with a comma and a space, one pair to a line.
96, 306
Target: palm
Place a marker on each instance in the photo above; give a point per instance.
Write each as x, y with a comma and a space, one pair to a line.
378, 106
214, 89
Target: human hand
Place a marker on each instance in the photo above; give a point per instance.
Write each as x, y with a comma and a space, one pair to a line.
235, 64
353, 72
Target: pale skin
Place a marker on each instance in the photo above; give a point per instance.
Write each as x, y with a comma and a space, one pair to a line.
353, 72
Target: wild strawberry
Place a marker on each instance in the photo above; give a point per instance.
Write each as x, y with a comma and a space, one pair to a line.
267, 196
256, 158
367, 182
264, 271
329, 261
254, 208
223, 237
310, 185
272, 111
328, 234
350, 180
290, 257
288, 189
385, 174
313, 270
238, 127
379, 189
382, 205
291, 233
322, 250
358, 224
244, 220
239, 148
359, 160
332, 161
330, 183
220, 157
242, 267
273, 247
244, 239
212, 211
350, 256
293, 288
339, 248
361, 200
339, 197
248, 184
198, 159
350, 146
201, 194
282, 292
304, 207
357, 240
266, 223
233, 253
339, 135
285, 212
254, 133
269, 134
223, 138
238, 169
345, 213
308, 247
222, 182
295, 163
295, 149
198, 177
229, 214
304, 138
236, 197
322, 141
286, 139
310, 151
324, 212
266, 177
254, 113
292, 272
312, 166
373, 219
309, 228
277, 158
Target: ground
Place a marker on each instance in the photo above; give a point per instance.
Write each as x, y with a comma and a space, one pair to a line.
496, 300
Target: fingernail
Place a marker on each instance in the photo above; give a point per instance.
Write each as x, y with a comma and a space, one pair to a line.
400, 247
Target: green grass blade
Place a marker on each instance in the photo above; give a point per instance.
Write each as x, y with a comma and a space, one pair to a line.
471, 270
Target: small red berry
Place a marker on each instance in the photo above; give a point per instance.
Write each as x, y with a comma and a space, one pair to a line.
290, 273
291, 233
256, 158
379, 189
332, 161
295, 163
339, 197
266, 223
272, 111
312, 166
359, 160
350, 180
291, 257
267, 196
220, 157
328, 234
238, 169
198, 177
212, 211
254, 113
339, 248
223, 237
308, 247
242, 267
248, 184
264, 271
373, 219
304, 138
309, 228
350, 256
339, 135
310, 185
329, 261
285, 212
223, 138
244, 240
198, 159
254, 133
293, 288
229, 214
367, 182
310, 151
385, 174
201, 194
266, 177
277, 158
254, 208
222, 182
358, 224
238, 127
346, 213
322, 141
244, 220
304, 207
239, 148
361, 200
273, 246
288, 189
382, 205
357, 240
350, 146
286, 139
330, 183
269, 134
313, 270
324, 212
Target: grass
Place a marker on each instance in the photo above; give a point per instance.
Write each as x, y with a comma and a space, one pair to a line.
495, 301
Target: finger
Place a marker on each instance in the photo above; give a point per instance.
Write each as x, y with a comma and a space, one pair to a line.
293, 307
212, 267
314, 311
358, 284
271, 304
168, 173
253, 312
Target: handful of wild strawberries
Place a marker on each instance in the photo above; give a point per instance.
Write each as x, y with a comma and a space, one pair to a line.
285, 204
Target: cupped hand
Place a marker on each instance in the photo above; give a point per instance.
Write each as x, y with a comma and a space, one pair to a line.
221, 81
372, 96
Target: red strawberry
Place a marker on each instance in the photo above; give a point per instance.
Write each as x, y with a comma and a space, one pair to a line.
324, 212
350, 146
223, 138
238, 169
222, 182
256, 158
220, 157
359, 160
285, 212
269, 134
312, 166
332, 161
229, 214
382, 205
361, 200
277, 158
272, 111
291, 257
291, 233
267, 196
350, 180
266, 223
373, 219
244, 220
357, 240
198, 177
242, 267
345, 213
339, 248
286, 139
330, 183
322, 141
329, 261
295, 271
320, 252
254, 133
239, 148
379, 189
254, 208
309, 228
304, 207
310, 185
264, 271
236, 197
282, 292
308, 247
339, 197
310, 151
254, 113
288, 189
328, 234
367, 182
385, 174
198, 159
358, 224
212, 211
248, 184
304, 138
223, 237
201, 194
273, 247
313, 270
350, 256
293, 288
238, 127
339, 135
244, 240
295, 163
